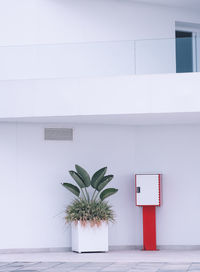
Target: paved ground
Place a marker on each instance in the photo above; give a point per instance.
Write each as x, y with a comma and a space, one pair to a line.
113, 261
123, 256
97, 267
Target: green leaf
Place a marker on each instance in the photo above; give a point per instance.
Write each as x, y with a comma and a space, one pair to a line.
108, 192
77, 178
84, 175
72, 188
102, 184
97, 177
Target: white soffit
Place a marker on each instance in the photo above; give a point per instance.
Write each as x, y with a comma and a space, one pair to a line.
188, 4
115, 119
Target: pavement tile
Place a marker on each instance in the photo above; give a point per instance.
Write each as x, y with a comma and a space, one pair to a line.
80, 270
67, 269
3, 263
26, 270
134, 269
11, 267
139, 270
176, 267
71, 264
145, 270
97, 263
173, 270
89, 268
194, 266
98, 267
116, 268
41, 266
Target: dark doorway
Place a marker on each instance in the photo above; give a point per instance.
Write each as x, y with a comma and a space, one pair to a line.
184, 52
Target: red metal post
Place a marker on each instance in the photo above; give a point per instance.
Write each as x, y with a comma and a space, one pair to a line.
149, 228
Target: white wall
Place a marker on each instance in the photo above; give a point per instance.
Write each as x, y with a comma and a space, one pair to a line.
171, 93
174, 152
67, 21
50, 21
32, 200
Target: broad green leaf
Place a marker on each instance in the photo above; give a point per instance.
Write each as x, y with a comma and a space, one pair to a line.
102, 184
97, 177
72, 188
84, 175
108, 192
77, 178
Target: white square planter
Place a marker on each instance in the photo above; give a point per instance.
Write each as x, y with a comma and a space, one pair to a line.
88, 238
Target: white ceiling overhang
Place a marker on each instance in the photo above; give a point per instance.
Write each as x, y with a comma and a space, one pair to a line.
188, 4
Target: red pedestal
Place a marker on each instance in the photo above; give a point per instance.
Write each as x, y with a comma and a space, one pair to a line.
149, 228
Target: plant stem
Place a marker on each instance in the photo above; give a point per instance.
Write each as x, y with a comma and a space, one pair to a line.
96, 196
83, 194
88, 197
93, 195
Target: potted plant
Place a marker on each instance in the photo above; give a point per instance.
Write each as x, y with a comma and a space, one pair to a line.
89, 213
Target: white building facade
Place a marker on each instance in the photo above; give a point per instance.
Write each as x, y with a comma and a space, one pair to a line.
118, 74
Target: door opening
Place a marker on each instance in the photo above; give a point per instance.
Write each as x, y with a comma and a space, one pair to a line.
185, 51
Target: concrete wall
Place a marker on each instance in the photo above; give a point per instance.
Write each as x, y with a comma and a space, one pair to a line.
49, 21
32, 200
174, 152
169, 93
43, 22
68, 21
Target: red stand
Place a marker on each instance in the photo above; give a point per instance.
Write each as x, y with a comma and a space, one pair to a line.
149, 228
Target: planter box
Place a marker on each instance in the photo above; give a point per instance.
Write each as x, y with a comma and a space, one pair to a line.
89, 239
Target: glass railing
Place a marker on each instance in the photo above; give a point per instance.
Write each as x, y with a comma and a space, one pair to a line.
100, 59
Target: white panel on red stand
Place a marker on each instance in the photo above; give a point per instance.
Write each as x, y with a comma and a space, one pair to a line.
147, 190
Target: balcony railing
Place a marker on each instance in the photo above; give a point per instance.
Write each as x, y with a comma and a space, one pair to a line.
100, 59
